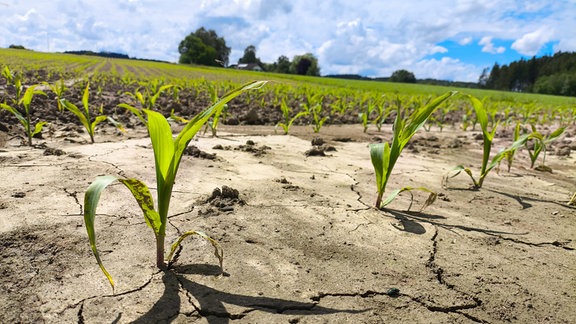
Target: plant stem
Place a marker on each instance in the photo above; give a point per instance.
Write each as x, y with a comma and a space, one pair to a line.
160, 252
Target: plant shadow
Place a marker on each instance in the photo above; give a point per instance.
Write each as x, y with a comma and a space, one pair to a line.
211, 302
411, 223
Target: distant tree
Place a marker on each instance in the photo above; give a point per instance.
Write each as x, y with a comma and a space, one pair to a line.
403, 76
17, 47
283, 64
306, 64
483, 79
204, 47
249, 56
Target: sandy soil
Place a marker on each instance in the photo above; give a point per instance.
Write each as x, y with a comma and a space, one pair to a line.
302, 244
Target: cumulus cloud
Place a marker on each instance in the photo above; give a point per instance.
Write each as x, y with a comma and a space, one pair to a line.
531, 43
488, 46
376, 37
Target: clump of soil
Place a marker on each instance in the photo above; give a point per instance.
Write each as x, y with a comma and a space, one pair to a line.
54, 151
224, 199
194, 151
249, 147
319, 148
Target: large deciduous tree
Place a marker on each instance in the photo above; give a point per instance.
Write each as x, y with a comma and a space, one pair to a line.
204, 47
403, 76
249, 56
306, 64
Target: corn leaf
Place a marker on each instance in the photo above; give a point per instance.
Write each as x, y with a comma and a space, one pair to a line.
76, 111
85, 99
38, 127
144, 198
134, 110
97, 121
28, 95
91, 198
14, 112
379, 154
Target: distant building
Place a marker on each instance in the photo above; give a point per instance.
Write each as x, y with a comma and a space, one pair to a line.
248, 67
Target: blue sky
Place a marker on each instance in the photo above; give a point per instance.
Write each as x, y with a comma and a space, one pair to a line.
443, 39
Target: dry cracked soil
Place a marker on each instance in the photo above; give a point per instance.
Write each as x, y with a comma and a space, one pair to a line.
302, 242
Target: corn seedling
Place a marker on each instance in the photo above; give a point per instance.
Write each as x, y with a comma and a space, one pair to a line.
488, 136
288, 121
58, 88
14, 79
25, 119
167, 155
509, 155
84, 115
147, 99
213, 123
382, 113
540, 141
384, 155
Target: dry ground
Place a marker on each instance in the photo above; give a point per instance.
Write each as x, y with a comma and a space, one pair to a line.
305, 246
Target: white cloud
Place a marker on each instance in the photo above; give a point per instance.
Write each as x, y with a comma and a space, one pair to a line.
465, 41
376, 37
531, 43
488, 46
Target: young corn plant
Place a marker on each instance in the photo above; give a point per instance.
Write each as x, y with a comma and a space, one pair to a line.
25, 119
213, 123
540, 141
509, 155
84, 115
313, 106
382, 112
58, 88
385, 155
288, 120
147, 99
14, 79
167, 155
488, 136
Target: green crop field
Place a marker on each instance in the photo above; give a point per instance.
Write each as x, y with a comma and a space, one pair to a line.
286, 99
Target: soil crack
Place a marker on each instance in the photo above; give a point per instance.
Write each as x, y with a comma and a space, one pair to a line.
119, 171
358, 193
81, 303
74, 195
439, 274
542, 244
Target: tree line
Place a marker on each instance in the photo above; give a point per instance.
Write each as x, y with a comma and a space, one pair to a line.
205, 47
554, 75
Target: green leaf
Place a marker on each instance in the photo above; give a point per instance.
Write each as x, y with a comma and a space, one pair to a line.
85, 99
162, 143
196, 123
91, 198
76, 111
14, 112
134, 110
481, 115
97, 121
144, 198
380, 157
38, 127
555, 134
